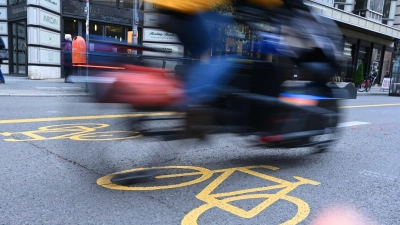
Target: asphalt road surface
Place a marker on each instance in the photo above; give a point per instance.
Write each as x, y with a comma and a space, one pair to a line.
58, 154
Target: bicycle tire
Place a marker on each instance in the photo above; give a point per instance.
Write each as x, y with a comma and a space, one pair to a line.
368, 87
361, 88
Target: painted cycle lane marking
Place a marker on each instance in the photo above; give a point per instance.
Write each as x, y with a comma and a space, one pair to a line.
76, 132
223, 200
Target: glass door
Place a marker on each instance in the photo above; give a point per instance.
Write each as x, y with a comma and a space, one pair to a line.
19, 48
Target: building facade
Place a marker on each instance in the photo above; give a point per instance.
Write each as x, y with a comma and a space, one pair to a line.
34, 29
369, 28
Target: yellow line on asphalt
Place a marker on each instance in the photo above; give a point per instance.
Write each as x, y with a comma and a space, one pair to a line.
366, 106
86, 117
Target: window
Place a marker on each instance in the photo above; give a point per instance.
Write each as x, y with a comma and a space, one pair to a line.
361, 4
376, 5
116, 32
71, 27
95, 29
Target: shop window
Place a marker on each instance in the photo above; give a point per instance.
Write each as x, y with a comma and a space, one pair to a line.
346, 70
94, 29
387, 64
375, 60
116, 32
395, 79
71, 27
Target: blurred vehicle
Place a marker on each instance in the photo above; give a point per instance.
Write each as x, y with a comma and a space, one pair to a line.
237, 94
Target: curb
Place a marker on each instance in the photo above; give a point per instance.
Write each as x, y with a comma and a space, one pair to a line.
372, 93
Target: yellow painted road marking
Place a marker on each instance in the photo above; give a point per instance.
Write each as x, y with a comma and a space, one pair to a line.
222, 200
77, 132
366, 106
113, 116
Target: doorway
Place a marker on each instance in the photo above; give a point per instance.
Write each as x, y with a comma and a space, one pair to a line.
19, 48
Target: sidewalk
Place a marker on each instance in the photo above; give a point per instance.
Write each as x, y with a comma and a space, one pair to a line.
375, 90
22, 86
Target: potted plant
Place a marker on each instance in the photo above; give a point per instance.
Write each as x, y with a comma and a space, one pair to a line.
359, 75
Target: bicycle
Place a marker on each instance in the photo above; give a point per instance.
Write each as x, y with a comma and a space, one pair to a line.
181, 176
367, 84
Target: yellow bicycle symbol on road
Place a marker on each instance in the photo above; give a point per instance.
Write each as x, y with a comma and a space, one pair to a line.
222, 200
77, 132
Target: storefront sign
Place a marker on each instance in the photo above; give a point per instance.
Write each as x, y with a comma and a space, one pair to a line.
156, 35
49, 20
98, 12
50, 4
3, 13
164, 50
385, 84
150, 20
3, 28
16, 11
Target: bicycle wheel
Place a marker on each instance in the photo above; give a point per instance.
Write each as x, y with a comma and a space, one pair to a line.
368, 87
361, 87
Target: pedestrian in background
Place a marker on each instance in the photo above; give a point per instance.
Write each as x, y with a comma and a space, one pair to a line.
387, 75
2, 46
66, 47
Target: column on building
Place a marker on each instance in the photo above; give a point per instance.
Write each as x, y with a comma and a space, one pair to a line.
44, 40
396, 23
350, 6
4, 32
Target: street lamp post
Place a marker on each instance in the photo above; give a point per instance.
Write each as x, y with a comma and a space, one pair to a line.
135, 24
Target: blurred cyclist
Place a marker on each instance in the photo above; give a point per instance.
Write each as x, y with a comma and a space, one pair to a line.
187, 19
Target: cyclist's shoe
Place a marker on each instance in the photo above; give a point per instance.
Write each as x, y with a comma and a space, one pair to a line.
133, 177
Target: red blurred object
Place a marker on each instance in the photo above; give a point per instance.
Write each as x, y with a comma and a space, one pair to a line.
141, 87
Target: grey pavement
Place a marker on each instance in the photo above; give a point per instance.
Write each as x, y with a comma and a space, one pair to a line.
23, 86
375, 90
